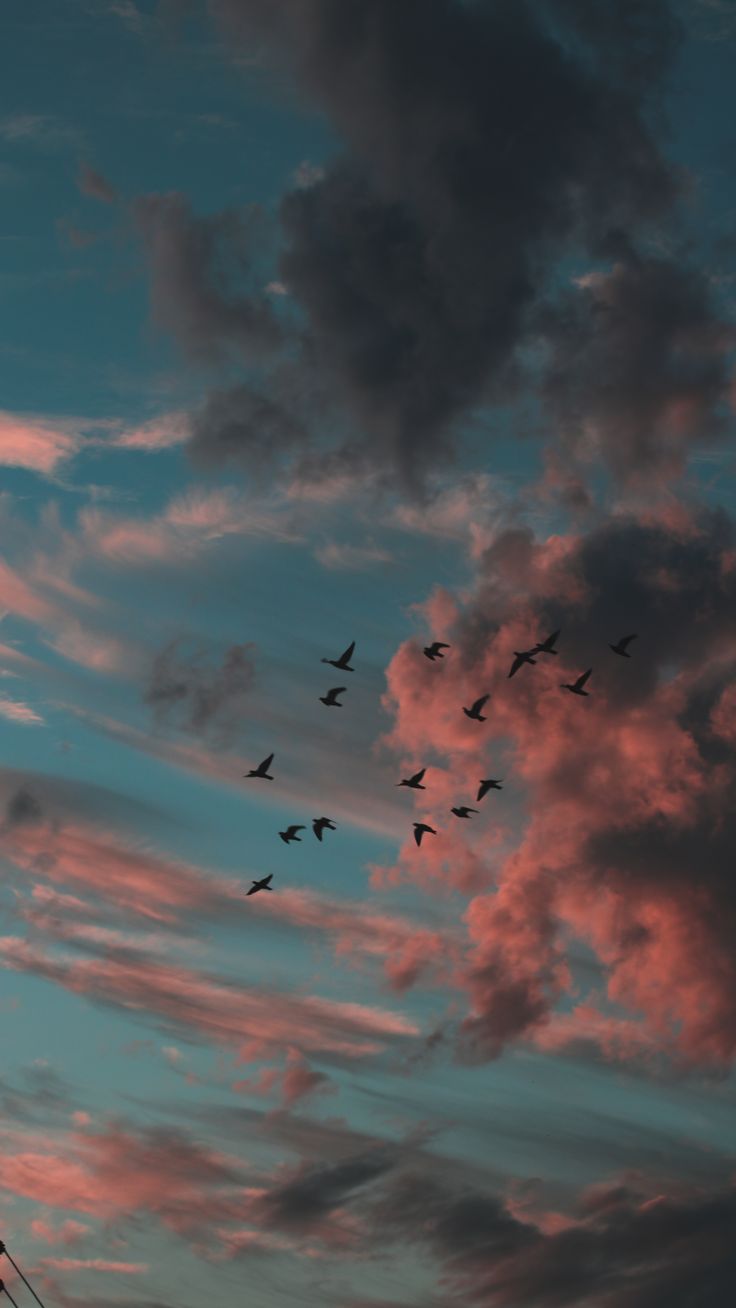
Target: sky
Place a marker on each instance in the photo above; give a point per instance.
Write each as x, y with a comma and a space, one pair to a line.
389, 324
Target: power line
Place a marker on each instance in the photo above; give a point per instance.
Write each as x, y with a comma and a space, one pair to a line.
26, 1282
4, 1290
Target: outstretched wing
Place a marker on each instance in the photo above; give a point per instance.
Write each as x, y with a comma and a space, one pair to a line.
516, 665
626, 640
346, 657
417, 776
291, 831
483, 789
582, 679
418, 833
478, 705
265, 765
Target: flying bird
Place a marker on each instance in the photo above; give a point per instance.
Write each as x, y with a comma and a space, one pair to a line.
415, 782
576, 688
290, 834
522, 656
261, 770
330, 698
485, 786
463, 811
622, 645
545, 646
261, 885
434, 651
419, 830
343, 663
474, 711
322, 824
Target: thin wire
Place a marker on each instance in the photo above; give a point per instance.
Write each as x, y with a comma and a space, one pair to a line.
7, 1291
3, 1249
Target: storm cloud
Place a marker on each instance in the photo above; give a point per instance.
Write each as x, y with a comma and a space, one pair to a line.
479, 142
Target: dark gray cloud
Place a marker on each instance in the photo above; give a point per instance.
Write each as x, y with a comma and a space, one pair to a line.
22, 807
637, 367
93, 184
185, 690
479, 141
203, 285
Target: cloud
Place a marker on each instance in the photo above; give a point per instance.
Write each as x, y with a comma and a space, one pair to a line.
418, 254
202, 279
36, 445
183, 690
94, 1265
16, 711
637, 367
197, 1007
43, 443
628, 795
94, 185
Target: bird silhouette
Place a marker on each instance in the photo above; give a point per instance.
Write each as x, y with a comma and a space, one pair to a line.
322, 824
545, 646
434, 651
576, 688
485, 786
290, 834
415, 782
330, 698
522, 656
262, 770
419, 830
474, 710
463, 811
622, 645
343, 663
261, 885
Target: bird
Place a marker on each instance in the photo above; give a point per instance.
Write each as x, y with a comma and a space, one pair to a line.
576, 688
434, 651
419, 830
322, 824
474, 710
415, 782
521, 657
545, 646
343, 663
262, 770
261, 885
463, 811
290, 834
485, 786
330, 700
620, 648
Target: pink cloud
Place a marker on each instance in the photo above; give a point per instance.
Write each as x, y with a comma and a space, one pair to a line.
34, 444
16, 711
67, 1232
627, 818
254, 1021
94, 1265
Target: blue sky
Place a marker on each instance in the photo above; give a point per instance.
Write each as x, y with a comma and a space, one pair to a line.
205, 1094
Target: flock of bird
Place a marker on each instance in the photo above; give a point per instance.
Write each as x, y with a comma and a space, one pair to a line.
415, 782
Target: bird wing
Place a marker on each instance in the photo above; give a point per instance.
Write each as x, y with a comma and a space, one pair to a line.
582, 679
418, 833
551, 639
478, 705
626, 640
336, 690
418, 775
483, 789
266, 880
252, 890
348, 654
266, 763
516, 665
293, 830
318, 827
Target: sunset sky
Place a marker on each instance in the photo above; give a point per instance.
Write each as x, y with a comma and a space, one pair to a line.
385, 321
